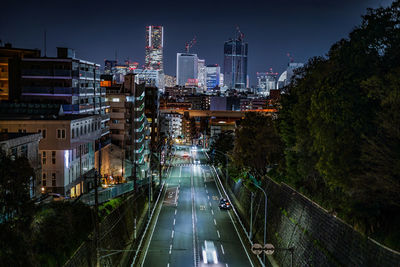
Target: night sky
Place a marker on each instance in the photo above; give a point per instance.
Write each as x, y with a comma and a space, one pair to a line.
97, 29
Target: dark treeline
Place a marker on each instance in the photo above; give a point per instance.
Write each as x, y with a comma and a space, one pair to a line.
337, 134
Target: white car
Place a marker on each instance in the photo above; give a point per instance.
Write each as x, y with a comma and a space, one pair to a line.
209, 253
196, 161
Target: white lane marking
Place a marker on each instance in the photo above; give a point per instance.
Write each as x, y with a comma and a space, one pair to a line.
208, 197
176, 211
209, 203
212, 212
179, 181
180, 172
170, 249
206, 191
226, 264
222, 248
172, 234
218, 234
174, 221
168, 265
205, 185
215, 222
234, 225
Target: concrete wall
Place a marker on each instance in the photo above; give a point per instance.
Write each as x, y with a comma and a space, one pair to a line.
318, 238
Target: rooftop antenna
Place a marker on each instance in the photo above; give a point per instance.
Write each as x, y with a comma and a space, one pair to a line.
240, 35
45, 44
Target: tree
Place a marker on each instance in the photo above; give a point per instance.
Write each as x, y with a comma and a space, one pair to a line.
222, 145
257, 144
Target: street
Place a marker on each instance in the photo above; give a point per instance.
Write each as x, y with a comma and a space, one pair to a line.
190, 215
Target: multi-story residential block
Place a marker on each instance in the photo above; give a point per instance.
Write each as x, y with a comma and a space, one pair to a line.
10, 70
128, 124
67, 148
172, 124
24, 145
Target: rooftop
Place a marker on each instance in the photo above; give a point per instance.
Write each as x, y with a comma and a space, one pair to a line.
9, 136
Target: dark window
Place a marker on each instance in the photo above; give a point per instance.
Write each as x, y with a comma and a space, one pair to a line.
53, 157
44, 179
53, 179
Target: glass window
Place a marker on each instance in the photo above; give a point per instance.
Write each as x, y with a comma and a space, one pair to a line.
24, 151
44, 157
53, 157
53, 179
44, 179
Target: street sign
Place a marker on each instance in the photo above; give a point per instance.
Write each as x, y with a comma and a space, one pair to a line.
257, 249
254, 180
269, 249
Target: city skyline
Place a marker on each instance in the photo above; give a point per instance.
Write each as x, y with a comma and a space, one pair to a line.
289, 27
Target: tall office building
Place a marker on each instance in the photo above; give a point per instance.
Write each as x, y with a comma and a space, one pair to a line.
154, 47
213, 76
202, 74
186, 68
235, 63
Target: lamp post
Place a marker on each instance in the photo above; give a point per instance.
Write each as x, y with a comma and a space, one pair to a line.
265, 216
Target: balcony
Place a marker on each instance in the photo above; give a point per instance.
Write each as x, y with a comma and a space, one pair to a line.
47, 72
3, 75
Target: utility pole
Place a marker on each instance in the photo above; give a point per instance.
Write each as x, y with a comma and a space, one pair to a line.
96, 219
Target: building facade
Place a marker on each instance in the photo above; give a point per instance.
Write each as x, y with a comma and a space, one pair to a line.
202, 75
266, 81
235, 64
25, 145
213, 76
128, 127
154, 47
186, 68
67, 149
10, 70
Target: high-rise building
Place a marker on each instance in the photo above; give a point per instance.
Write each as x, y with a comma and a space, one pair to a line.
202, 74
109, 65
169, 81
186, 67
154, 47
213, 76
235, 63
266, 81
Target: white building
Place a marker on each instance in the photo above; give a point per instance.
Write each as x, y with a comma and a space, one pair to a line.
172, 125
186, 68
67, 149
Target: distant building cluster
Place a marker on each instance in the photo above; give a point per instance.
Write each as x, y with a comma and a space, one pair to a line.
75, 121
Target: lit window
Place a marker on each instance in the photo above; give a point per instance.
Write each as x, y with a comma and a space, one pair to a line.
115, 100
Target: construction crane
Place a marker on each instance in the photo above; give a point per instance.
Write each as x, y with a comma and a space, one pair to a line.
189, 44
291, 58
240, 34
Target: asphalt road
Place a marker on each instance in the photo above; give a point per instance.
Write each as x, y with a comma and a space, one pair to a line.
190, 215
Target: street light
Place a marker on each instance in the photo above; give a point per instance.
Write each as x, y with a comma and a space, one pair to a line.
265, 216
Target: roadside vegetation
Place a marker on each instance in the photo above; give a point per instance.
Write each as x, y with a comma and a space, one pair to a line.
336, 138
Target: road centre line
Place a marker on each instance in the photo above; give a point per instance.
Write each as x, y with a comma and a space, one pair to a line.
218, 234
172, 234
215, 222
222, 248
212, 212
174, 222
170, 249
176, 211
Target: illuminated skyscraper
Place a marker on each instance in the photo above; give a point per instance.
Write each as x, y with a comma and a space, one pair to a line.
235, 63
213, 76
154, 47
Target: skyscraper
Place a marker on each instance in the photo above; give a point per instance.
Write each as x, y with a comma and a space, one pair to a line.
266, 81
202, 74
154, 47
213, 76
235, 63
186, 67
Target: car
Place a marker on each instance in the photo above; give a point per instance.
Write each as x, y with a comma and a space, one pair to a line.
57, 197
224, 204
196, 161
209, 252
185, 155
